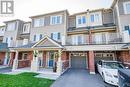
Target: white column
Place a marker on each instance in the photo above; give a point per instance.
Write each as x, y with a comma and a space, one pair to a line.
6, 58
15, 63
59, 63
34, 62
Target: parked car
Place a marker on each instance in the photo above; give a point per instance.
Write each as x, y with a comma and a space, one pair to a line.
109, 71
124, 77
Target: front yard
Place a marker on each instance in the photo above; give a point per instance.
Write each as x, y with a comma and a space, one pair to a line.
23, 80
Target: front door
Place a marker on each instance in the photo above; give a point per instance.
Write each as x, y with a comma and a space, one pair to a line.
41, 59
51, 59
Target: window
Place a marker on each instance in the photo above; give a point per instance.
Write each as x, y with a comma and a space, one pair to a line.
24, 56
26, 28
34, 39
11, 26
96, 17
40, 36
81, 20
37, 37
127, 28
77, 39
39, 22
56, 36
92, 18
127, 7
56, 20
6, 40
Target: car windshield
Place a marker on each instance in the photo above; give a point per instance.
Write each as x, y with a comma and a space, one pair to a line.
112, 65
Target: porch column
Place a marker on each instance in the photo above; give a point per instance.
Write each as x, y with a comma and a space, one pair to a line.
15, 63
6, 58
91, 62
34, 62
59, 63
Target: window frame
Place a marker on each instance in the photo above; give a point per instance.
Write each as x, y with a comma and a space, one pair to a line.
11, 26
81, 17
57, 36
125, 8
37, 22
23, 56
55, 20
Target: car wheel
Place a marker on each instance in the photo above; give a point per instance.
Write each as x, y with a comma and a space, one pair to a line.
103, 77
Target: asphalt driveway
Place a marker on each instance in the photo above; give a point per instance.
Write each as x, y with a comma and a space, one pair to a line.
5, 70
79, 78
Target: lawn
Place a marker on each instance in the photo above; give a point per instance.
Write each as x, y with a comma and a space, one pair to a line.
23, 80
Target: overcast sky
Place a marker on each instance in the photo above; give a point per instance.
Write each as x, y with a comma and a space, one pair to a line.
26, 8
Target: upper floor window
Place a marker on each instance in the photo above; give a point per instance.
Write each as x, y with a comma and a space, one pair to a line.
11, 26
26, 28
56, 36
56, 20
37, 37
94, 17
127, 7
127, 28
81, 20
39, 22
77, 39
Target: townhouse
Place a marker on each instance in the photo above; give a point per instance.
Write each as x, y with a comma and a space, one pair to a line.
57, 41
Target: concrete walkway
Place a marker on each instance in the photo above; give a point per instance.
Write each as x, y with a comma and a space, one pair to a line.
79, 78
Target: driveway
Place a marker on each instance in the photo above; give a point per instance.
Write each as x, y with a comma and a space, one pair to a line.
5, 70
79, 78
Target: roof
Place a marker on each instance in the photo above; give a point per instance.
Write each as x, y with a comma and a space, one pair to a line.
27, 46
49, 13
113, 4
101, 9
41, 44
12, 20
127, 46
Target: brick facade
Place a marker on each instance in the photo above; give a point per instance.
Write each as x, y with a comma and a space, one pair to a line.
123, 56
2, 57
91, 62
26, 62
65, 59
12, 57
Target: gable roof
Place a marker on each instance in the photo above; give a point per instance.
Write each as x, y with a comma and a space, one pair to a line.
47, 42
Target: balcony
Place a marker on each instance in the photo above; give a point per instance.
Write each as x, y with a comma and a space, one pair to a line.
104, 26
3, 46
102, 39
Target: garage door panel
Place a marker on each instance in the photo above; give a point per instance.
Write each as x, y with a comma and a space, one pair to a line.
78, 62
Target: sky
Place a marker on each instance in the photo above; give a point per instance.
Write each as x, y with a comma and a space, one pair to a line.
23, 9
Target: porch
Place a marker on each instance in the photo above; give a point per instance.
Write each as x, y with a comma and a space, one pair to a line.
45, 56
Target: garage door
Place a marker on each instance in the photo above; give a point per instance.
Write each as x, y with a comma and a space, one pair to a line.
78, 62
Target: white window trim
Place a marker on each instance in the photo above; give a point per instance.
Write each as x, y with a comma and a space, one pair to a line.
81, 25
27, 28
51, 23
23, 56
124, 5
75, 37
39, 22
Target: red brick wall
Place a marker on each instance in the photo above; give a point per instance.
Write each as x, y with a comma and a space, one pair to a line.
123, 56
12, 57
30, 55
65, 59
2, 56
27, 62
91, 61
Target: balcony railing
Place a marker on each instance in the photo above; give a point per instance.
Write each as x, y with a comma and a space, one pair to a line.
92, 27
110, 38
